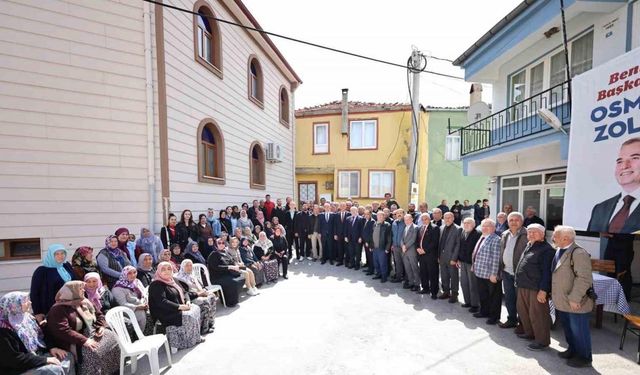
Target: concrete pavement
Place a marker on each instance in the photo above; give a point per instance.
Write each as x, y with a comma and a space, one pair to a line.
332, 320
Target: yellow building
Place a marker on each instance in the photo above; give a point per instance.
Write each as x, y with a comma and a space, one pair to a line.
362, 159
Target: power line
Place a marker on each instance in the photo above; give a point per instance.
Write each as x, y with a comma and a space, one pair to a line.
302, 41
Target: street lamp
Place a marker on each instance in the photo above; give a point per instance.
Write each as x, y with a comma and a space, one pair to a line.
551, 119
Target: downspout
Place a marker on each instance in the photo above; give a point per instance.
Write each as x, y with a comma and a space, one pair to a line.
151, 147
292, 116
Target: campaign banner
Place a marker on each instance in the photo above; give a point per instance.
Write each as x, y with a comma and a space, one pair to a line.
603, 173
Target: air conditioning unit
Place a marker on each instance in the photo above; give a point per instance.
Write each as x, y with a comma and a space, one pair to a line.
274, 153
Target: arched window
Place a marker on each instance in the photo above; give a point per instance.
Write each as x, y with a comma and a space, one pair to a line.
255, 79
210, 153
284, 106
256, 166
207, 42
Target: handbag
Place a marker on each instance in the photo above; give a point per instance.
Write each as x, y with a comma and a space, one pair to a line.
591, 293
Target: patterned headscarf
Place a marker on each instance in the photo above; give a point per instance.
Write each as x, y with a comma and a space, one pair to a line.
94, 295
196, 254
124, 282
187, 277
169, 281
80, 259
71, 295
115, 251
50, 261
23, 324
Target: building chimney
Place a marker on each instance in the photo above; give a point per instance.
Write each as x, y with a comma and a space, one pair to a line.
345, 111
475, 95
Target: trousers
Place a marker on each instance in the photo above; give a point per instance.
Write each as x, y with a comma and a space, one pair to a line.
469, 285
398, 262
410, 264
380, 259
490, 298
577, 332
429, 273
534, 316
316, 245
510, 296
449, 276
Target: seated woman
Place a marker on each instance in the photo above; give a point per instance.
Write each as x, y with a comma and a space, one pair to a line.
268, 229
125, 244
224, 272
256, 232
193, 253
263, 248
145, 268
280, 248
73, 324
248, 234
83, 262
48, 279
237, 233
111, 260
22, 345
149, 243
98, 294
249, 277
177, 256
209, 247
129, 292
198, 295
251, 261
168, 304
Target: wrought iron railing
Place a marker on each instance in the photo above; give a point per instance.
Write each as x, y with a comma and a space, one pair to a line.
515, 122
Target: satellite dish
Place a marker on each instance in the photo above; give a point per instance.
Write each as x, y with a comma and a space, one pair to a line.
478, 111
551, 119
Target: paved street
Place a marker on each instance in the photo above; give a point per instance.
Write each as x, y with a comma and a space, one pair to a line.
331, 320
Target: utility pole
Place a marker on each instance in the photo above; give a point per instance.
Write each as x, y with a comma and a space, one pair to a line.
415, 64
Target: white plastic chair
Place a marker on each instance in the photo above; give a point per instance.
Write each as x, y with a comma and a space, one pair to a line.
146, 345
197, 268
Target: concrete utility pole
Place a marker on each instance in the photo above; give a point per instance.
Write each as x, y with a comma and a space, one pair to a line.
415, 63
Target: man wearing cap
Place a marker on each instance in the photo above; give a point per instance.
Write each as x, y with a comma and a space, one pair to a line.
533, 280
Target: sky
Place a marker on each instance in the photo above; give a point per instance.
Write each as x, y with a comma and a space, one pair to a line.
380, 29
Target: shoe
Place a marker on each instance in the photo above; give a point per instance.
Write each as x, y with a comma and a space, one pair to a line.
508, 324
424, 291
492, 322
396, 281
285, 277
315, 259
519, 330
406, 286
201, 340
310, 258
536, 347
251, 292
415, 288
256, 291
331, 262
338, 264
567, 354
369, 273
434, 296
453, 299
299, 259
356, 268
578, 362
474, 309
465, 305
525, 336
323, 262
444, 296
376, 277
383, 281
174, 350
480, 315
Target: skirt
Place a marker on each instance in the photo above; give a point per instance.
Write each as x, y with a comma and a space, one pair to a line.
270, 270
105, 359
188, 334
259, 274
207, 312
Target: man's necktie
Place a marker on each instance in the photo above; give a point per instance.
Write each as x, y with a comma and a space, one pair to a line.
617, 223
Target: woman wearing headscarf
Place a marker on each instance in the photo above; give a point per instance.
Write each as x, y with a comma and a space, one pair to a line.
248, 234
83, 262
209, 247
193, 253
169, 305
233, 219
204, 230
128, 247
249, 277
280, 248
145, 268
187, 229
224, 272
97, 293
244, 221
198, 295
48, 279
225, 223
169, 233
149, 243
251, 261
177, 256
263, 249
111, 260
73, 324
165, 256
259, 219
129, 292
22, 345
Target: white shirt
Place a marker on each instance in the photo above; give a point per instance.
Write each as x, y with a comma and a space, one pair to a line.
634, 204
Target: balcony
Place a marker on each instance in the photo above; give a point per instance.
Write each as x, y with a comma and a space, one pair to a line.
516, 122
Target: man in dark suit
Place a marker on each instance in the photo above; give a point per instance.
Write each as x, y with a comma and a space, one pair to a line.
339, 233
381, 245
353, 239
428, 241
326, 233
287, 221
367, 238
448, 254
409, 254
301, 228
253, 210
279, 211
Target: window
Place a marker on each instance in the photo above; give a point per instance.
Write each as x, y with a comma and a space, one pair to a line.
255, 81
452, 147
582, 54
20, 249
321, 138
284, 106
210, 153
557, 75
363, 135
256, 166
536, 84
348, 184
207, 38
381, 182
518, 87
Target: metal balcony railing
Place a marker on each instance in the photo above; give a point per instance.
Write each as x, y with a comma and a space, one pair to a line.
515, 122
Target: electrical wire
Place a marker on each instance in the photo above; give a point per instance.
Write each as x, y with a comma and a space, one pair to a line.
303, 41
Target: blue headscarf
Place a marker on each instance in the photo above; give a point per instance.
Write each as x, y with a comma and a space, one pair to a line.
50, 261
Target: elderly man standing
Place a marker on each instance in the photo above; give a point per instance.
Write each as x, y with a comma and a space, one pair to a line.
428, 239
570, 280
397, 231
486, 263
353, 239
381, 244
532, 217
409, 253
448, 256
468, 240
533, 279
501, 224
512, 245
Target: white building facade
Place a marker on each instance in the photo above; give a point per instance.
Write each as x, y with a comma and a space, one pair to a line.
114, 113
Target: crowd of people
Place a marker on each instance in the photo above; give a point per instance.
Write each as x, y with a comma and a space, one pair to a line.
59, 327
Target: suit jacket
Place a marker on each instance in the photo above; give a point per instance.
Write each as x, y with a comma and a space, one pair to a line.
301, 223
521, 244
287, 221
410, 238
354, 230
487, 260
603, 212
280, 213
449, 243
430, 241
467, 245
367, 231
385, 237
569, 284
326, 226
340, 227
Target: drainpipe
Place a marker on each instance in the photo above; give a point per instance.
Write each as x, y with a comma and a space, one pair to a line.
344, 128
151, 147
